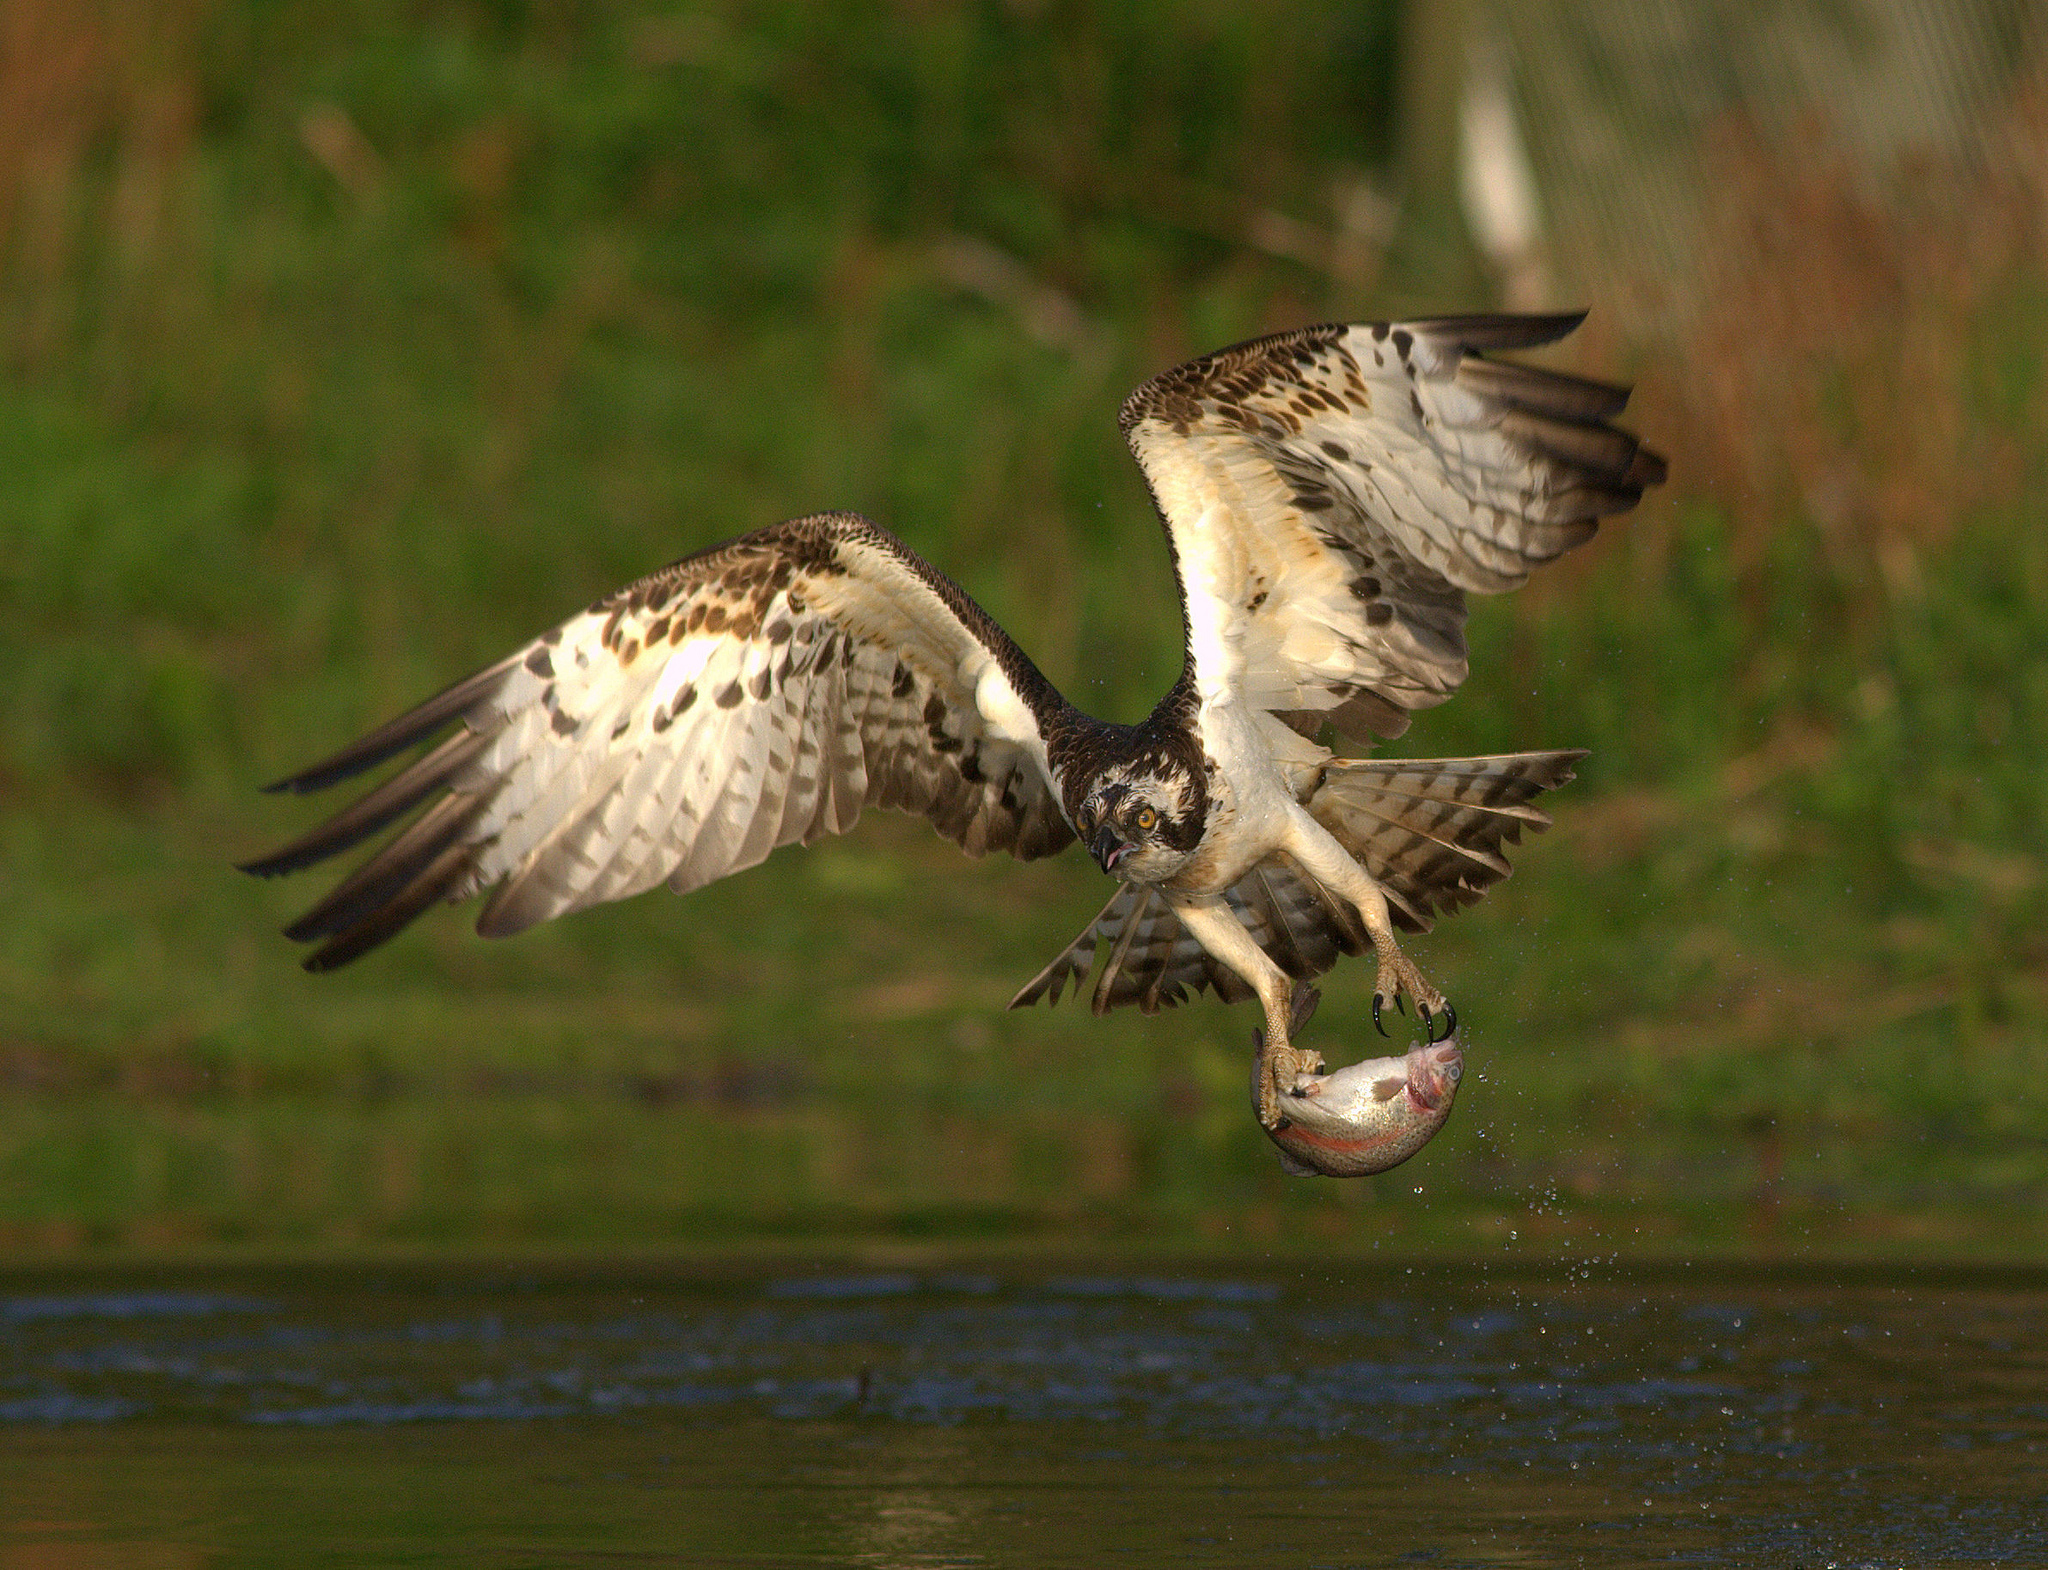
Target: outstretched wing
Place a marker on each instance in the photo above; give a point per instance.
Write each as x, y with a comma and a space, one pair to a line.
1332, 493
759, 693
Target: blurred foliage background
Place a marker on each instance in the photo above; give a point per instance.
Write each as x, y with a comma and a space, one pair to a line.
344, 346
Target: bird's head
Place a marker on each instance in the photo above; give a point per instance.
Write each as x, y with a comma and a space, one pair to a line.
1140, 823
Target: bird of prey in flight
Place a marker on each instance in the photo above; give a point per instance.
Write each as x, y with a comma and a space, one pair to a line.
1330, 495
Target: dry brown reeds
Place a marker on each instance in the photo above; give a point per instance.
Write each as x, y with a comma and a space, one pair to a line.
1863, 355
98, 100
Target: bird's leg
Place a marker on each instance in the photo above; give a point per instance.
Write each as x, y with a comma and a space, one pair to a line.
1279, 1062
1397, 974
1291, 1061
1275, 1073
1276, 1065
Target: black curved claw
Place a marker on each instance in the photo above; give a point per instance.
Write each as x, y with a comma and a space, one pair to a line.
1450, 1024
1401, 1002
1376, 1025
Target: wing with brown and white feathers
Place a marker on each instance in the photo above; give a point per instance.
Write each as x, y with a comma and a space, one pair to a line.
1332, 493
757, 694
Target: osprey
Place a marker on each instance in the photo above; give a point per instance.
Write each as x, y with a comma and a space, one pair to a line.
1330, 495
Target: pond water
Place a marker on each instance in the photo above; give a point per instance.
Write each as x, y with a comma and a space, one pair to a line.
1298, 1416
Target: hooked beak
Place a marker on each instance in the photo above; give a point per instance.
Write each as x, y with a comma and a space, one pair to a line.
1109, 847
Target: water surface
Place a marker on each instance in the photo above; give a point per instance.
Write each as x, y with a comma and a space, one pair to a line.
1292, 1416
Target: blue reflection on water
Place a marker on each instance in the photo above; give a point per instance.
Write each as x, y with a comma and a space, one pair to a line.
1881, 1405
57, 1406
127, 1305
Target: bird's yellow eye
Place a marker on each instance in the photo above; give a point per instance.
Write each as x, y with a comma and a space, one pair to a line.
1145, 819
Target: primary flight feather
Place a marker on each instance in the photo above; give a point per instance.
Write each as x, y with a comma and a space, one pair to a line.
1329, 495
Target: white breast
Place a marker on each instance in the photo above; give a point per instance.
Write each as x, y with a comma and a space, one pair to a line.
1262, 768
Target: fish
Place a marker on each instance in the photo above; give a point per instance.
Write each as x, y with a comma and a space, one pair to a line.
1366, 1117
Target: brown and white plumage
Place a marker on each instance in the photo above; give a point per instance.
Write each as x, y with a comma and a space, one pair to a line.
1430, 831
1330, 495
761, 693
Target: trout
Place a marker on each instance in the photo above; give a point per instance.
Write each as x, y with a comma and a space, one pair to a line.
1367, 1117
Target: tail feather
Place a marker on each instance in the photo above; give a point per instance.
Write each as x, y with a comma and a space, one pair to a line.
1155, 962
1430, 831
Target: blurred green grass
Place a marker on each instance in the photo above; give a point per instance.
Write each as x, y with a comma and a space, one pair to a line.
347, 347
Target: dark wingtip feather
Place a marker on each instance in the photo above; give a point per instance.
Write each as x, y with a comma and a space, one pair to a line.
1551, 393
384, 879
1648, 469
1501, 330
389, 919
1593, 450
356, 823
387, 741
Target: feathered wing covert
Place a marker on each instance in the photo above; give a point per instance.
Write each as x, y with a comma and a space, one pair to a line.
1331, 494
754, 695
